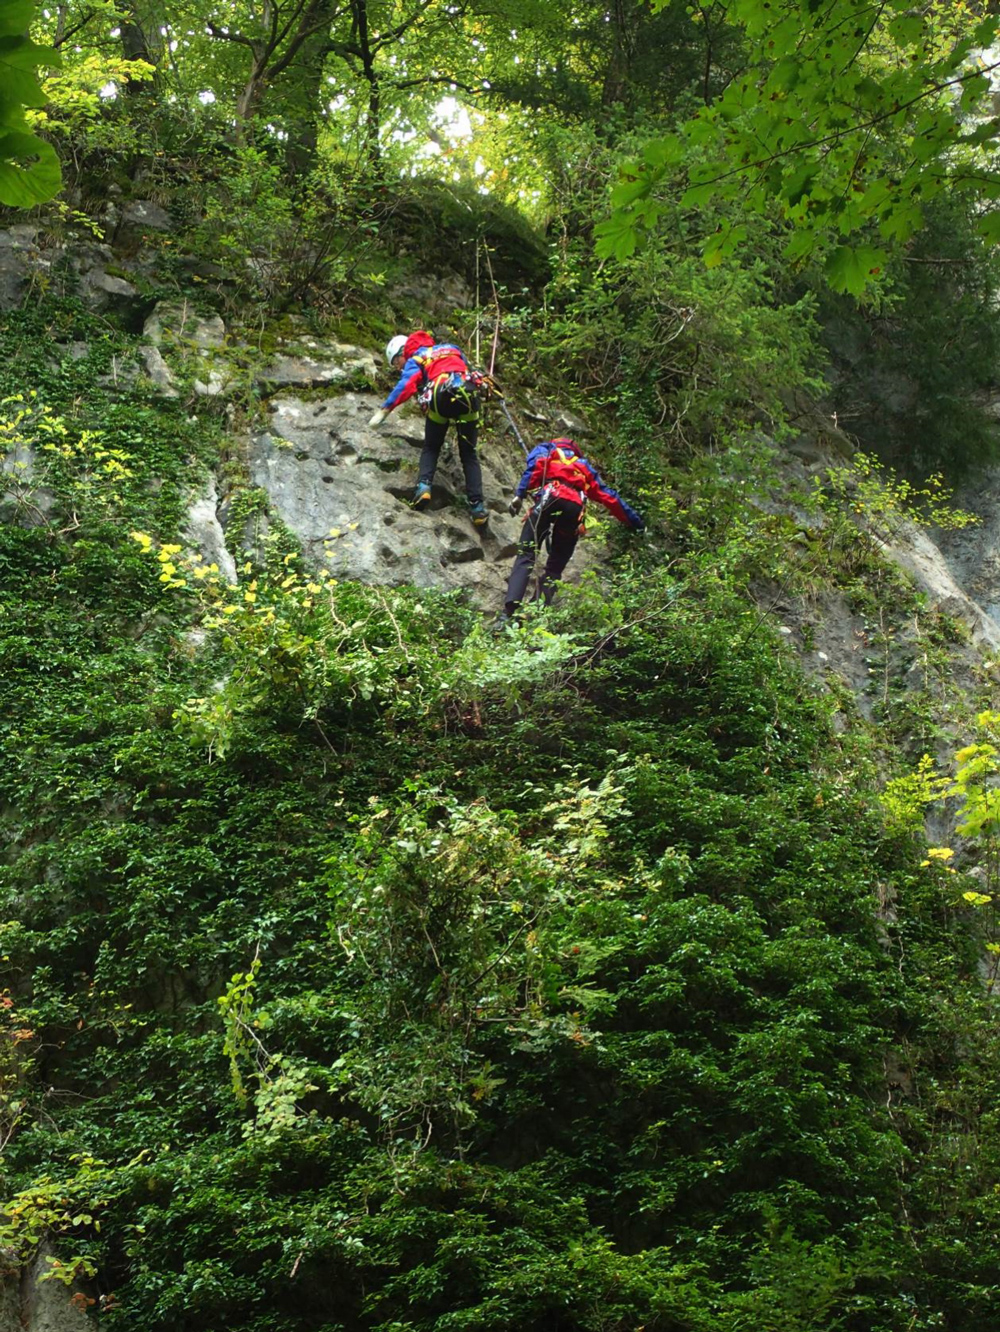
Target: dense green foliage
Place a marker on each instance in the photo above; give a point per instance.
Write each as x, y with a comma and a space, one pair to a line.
421, 980
365, 970
29, 166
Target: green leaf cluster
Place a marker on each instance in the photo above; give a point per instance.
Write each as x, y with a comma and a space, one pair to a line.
29, 167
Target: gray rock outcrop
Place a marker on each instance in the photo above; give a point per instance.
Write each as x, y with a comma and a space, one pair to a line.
69, 264
18, 259
318, 364
178, 324
30, 1305
344, 490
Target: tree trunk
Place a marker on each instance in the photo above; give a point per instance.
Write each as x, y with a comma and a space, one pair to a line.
373, 117
373, 125
625, 20
141, 39
310, 92
249, 99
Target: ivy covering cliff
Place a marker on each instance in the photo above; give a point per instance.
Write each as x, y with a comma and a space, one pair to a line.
366, 969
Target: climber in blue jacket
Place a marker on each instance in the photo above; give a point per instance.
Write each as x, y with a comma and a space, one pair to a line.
564, 480
446, 390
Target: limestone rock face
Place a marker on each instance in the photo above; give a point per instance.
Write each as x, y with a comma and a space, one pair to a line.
10, 1306
158, 371
26, 254
23, 500
144, 215
914, 550
18, 256
958, 573
315, 363
345, 490
177, 323
438, 296
306, 362
30, 1305
176, 326
204, 531
972, 554
105, 290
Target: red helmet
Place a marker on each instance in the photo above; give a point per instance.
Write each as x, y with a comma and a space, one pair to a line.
415, 341
569, 445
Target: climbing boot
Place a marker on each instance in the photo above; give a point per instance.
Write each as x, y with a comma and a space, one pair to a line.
422, 495
507, 619
479, 513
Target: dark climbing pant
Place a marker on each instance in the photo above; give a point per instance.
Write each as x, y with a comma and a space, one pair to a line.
468, 431
561, 518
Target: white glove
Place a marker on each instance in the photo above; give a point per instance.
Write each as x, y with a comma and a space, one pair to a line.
514, 507
378, 417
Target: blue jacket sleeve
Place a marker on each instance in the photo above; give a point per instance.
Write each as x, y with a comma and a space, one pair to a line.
537, 455
611, 500
406, 385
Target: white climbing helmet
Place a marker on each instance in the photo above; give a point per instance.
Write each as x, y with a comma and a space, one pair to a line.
394, 346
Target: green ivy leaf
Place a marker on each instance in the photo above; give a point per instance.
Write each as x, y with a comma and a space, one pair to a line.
16, 17
19, 61
698, 196
628, 191
29, 169
659, 153
723, 243
988, 227
907, 28
902, 222
616, 237
853, 269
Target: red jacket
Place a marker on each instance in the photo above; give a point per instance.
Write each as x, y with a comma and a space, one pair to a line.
423, 365
557, 466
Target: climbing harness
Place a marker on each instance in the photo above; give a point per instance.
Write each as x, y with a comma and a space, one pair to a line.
450, 397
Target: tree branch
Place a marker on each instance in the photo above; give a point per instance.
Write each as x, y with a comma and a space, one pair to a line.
225, 36
437, 78
851, 129
71, 32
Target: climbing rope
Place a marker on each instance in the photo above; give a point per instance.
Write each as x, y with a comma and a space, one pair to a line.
492, 386
496, 308
513, 423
